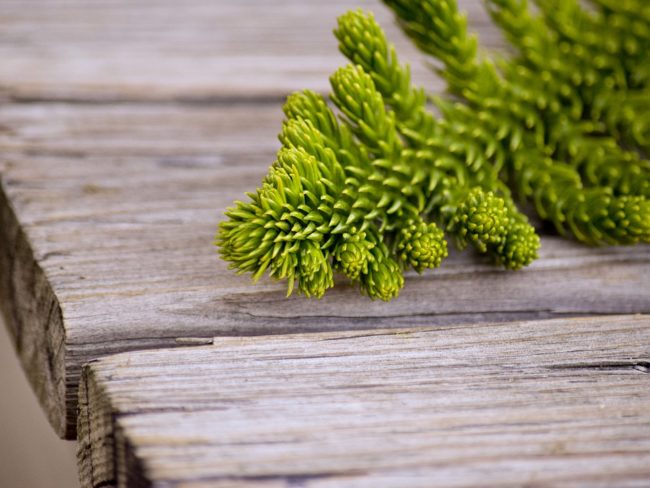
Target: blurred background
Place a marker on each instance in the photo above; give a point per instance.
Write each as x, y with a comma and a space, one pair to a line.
31, 455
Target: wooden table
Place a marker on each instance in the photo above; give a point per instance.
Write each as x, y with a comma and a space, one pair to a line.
126, 128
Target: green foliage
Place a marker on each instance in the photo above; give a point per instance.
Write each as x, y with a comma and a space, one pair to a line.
328, 202
594, 82
463, 191
438, 29
539, 93
605, 53
578, 177
372, 190
614, 35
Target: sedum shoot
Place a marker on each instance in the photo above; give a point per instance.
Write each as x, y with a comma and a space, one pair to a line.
371, 179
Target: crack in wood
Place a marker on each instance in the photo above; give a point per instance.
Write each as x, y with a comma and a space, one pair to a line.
214, 101
642, 366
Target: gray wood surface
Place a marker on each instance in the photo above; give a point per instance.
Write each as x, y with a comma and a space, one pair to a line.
74, 49
125, 130
109, 213
560, 403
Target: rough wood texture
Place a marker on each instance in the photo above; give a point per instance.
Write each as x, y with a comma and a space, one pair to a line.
117, 208
552, 403
32, 315
126, 128
109, 198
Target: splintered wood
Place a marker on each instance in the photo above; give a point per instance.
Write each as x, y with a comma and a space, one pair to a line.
551, 403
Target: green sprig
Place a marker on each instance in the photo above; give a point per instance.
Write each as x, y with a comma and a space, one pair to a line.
369, 192
553, 160
594, 84
458, 159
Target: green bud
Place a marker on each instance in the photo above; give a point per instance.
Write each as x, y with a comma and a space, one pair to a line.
481, 219
520, 246
352, 254
315, 271
384, 278
421, 245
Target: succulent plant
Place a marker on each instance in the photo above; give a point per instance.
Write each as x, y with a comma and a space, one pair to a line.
369, 182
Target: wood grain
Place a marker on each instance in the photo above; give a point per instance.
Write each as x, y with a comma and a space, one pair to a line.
111, 211
126, 128
551, 403
109, 198
79, 50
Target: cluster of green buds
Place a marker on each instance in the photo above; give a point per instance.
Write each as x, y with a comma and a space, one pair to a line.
329, 204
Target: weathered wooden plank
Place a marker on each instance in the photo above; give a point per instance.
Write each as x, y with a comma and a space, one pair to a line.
108, 219
75, 49
548, 403
32, 314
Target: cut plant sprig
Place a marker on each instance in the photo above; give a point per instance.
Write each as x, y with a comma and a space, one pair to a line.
377, 190
367, 192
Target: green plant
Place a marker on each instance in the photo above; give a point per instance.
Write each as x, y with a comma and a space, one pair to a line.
589, 76
369, 193
582, 181
468, 189
326, 201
